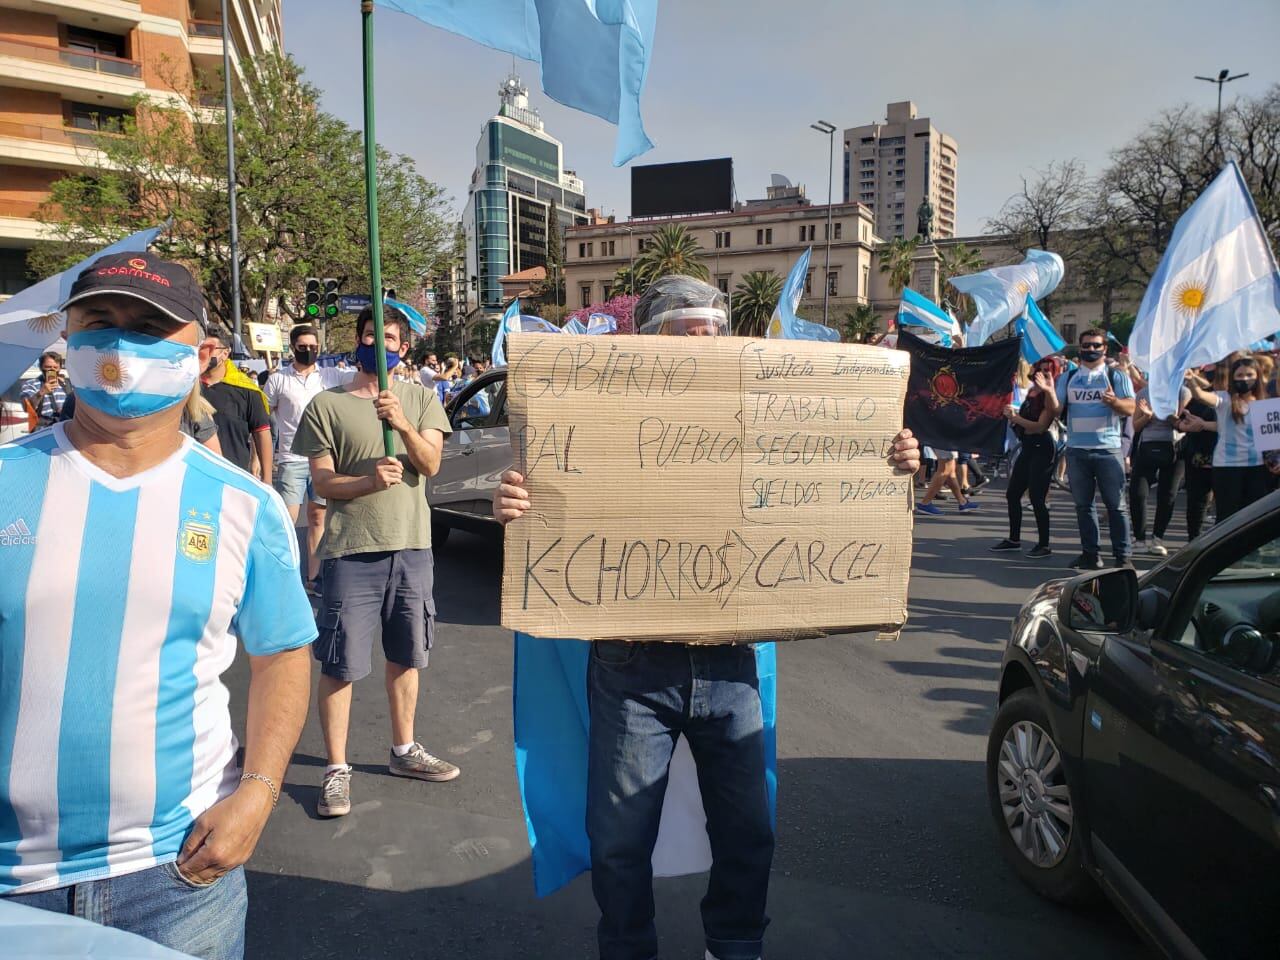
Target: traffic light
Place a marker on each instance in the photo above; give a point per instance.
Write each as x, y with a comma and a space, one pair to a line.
313, 298
331, 308
389, 293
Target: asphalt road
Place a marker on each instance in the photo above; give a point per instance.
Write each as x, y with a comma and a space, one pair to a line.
886, 850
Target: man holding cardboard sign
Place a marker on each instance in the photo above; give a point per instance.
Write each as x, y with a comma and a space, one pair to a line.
741, 463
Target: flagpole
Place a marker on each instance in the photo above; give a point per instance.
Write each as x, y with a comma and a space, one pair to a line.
229, 116
371, 200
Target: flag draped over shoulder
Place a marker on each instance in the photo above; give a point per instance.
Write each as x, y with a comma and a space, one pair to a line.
594, 55
552, 723
1039, 337
1000, 293
916, 310
1216, 290
785, 325
956, 398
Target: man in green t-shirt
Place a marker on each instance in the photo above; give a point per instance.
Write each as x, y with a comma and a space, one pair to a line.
377, 568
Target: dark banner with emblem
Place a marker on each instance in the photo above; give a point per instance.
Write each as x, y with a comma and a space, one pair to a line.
956, 398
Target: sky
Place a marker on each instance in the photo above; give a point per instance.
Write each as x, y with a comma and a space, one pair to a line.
1017, 83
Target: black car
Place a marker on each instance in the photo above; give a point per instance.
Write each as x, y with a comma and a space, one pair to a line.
1137, 743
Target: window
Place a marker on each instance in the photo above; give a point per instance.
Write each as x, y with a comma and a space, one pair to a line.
609, 252
727, 239
723, 284
582, 247
864, 140
831, 283
768, 235
808, 284
837, 229
585, 290
641, 245
722, 239
900, 152
608, 289
13, 270
86, 116
866, 280
591, 249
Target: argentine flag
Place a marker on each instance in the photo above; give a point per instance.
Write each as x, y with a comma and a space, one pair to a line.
417, 322
1000, 293
785, 325
1217, 290
1039, 338
599, 324
574, 325
551, 729
915, 310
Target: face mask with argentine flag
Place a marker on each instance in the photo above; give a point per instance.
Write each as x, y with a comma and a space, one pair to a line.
130, 375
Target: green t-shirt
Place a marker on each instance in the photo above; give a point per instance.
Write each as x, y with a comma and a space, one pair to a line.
346, 428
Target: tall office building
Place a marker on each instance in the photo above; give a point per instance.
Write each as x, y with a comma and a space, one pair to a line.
892, 166
518, 185
69, 69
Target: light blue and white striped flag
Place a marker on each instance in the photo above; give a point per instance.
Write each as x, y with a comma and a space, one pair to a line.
1039, 338
601, 323
785, 325
916, 310
1217, 290
510, 324
594, 55
574, 325
417, 322
1000, 293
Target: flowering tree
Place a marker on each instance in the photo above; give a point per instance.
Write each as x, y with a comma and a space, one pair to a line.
620, 307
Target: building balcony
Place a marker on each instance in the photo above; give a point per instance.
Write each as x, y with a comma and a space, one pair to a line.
112, 16
38, 67
18, 223
62, 148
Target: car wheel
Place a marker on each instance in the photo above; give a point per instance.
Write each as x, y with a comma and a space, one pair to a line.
1033, 803
439, 532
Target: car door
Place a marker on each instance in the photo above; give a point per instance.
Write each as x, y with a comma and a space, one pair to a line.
493, 445
479, 442
454, 486
1182, 755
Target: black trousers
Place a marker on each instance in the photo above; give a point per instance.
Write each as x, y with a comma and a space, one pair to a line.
1031, 473
1154, 461
1235, 488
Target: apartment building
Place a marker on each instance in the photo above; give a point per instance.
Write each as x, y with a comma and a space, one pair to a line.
892, 166
71, 69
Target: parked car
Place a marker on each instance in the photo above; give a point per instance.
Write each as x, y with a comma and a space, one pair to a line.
1137, 743
474, 458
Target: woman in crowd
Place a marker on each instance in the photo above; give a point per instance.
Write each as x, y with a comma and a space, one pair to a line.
945, 473
1239, 474
1155, 459
1032, 469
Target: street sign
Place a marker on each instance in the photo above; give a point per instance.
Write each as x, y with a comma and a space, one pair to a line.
354, 303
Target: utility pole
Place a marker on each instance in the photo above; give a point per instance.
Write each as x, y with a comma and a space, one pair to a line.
829, 129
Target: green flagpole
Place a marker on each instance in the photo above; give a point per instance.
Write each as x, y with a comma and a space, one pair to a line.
371, 199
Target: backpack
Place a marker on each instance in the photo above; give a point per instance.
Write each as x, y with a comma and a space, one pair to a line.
1112, 373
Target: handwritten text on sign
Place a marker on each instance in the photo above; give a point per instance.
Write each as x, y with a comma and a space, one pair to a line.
705, 488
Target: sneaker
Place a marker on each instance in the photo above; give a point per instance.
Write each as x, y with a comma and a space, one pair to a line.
335, 794
1158, 549
1139, 546
1008, 544
420, 765
1087, 561
1039, 551
930, 508
968, 507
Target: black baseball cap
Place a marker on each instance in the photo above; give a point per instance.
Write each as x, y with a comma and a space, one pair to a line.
167, 286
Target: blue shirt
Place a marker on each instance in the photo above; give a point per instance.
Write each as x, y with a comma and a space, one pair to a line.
1091, 424
121, 601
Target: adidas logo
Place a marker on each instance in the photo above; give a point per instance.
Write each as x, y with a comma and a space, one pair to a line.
17, 534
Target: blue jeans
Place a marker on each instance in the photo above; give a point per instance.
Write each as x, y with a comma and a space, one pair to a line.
157, 903
1103, 471
642, 695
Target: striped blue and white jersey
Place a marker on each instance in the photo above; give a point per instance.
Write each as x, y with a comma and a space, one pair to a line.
1091, 424
120, 604
1235, 446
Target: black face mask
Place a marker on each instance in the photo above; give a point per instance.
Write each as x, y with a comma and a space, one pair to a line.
213, 364
1243, 386
1089, 355
305, 356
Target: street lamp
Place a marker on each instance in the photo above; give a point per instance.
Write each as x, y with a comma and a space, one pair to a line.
1224, 76
631, 250
826, 128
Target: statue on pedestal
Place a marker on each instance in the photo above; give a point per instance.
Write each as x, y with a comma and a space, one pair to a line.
924, 221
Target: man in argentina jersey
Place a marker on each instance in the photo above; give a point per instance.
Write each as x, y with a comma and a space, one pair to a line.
1092, 400
137, 560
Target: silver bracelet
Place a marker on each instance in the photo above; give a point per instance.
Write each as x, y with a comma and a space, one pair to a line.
261, 778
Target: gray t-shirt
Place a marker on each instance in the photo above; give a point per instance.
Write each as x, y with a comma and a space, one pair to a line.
346, 428
1157, 430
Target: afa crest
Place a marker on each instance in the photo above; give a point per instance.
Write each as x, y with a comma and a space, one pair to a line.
198, 537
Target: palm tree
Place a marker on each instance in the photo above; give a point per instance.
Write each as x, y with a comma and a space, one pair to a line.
671, 250
860, 323
754, 299
895, 260
626, 282
956, 261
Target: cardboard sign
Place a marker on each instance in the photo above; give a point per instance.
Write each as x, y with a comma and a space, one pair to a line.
265, 337
705, 489
1264, 421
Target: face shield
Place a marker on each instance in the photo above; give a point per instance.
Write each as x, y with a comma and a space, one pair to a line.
682, 306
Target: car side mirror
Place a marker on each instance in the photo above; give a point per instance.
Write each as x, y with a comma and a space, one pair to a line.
1105, 602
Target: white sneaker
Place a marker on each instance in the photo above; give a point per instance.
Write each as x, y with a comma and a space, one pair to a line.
1158, 548
1139, 546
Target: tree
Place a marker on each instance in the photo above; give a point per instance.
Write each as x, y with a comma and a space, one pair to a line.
625, 281
300, 184
550, 290
1046, 208
895, 260
1121, 326
671, 250
755, 297
859, 323
956, 260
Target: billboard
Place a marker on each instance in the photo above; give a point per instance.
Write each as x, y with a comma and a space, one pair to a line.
516, 148
695, 186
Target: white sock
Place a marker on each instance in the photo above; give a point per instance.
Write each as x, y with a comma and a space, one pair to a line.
335, 767
402, 749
